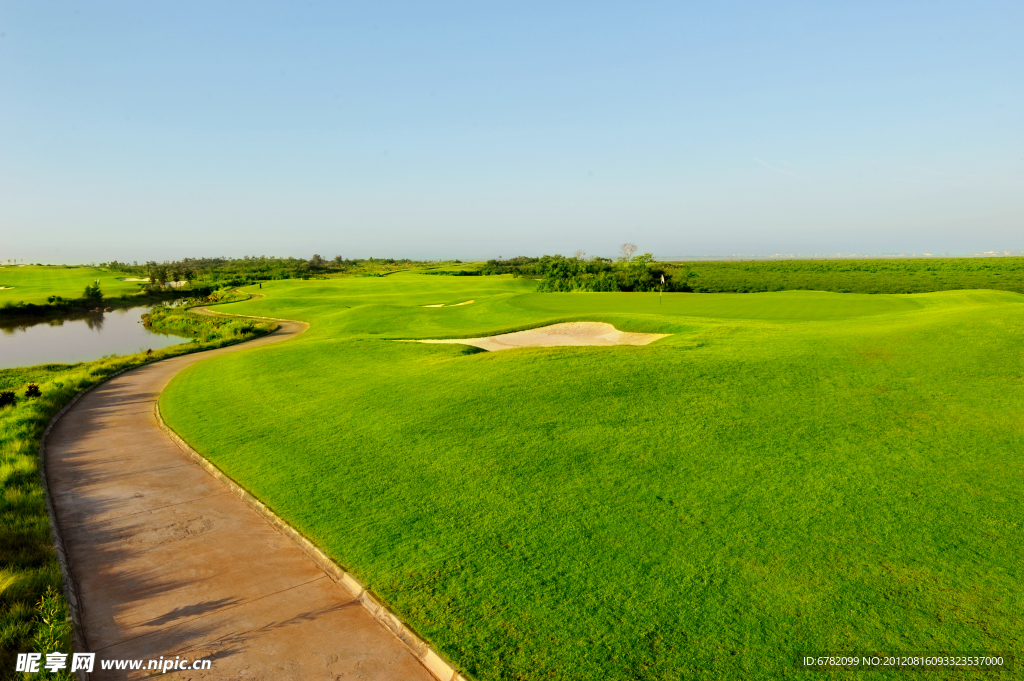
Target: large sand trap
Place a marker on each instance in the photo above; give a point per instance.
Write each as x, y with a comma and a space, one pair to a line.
571, 333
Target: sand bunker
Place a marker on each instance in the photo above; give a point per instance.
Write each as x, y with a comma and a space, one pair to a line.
455, 305
172, 284
571, 333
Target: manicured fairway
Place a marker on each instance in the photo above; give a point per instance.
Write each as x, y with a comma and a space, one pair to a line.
789, 473
797, 305
32, 284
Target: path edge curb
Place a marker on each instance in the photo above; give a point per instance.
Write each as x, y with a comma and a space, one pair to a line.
433, 661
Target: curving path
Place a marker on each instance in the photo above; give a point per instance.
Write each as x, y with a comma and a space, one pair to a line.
169, 563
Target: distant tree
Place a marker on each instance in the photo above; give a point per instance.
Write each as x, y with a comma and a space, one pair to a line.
338, 260
316, 262
580, 254
643, 260
157, 274
189, 276
627, 251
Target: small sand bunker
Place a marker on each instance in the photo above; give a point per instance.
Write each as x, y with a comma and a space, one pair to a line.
571, 333
455, 305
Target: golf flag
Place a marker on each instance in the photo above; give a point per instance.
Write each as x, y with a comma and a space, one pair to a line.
663, 280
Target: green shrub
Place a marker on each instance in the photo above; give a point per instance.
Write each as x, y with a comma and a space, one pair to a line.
92, 293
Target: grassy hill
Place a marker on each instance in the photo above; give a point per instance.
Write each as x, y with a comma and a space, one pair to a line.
788, 473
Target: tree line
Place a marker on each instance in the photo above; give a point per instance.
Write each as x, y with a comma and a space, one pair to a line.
629, 272
558, 273
219, 272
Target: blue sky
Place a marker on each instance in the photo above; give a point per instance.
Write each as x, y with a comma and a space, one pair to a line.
471, 130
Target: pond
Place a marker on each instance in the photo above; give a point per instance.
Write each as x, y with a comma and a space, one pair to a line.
78, 339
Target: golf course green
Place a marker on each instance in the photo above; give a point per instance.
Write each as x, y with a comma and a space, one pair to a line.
35, 283
787, 474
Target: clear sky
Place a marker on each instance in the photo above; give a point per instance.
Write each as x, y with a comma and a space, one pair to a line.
157, 130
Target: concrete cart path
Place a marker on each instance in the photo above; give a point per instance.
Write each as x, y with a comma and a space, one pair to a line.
169, 563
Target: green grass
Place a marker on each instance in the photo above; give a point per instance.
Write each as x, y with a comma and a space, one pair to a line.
33, 284
32, 611
787, 305
787, 473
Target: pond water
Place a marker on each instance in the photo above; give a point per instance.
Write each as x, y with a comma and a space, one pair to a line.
79, 339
